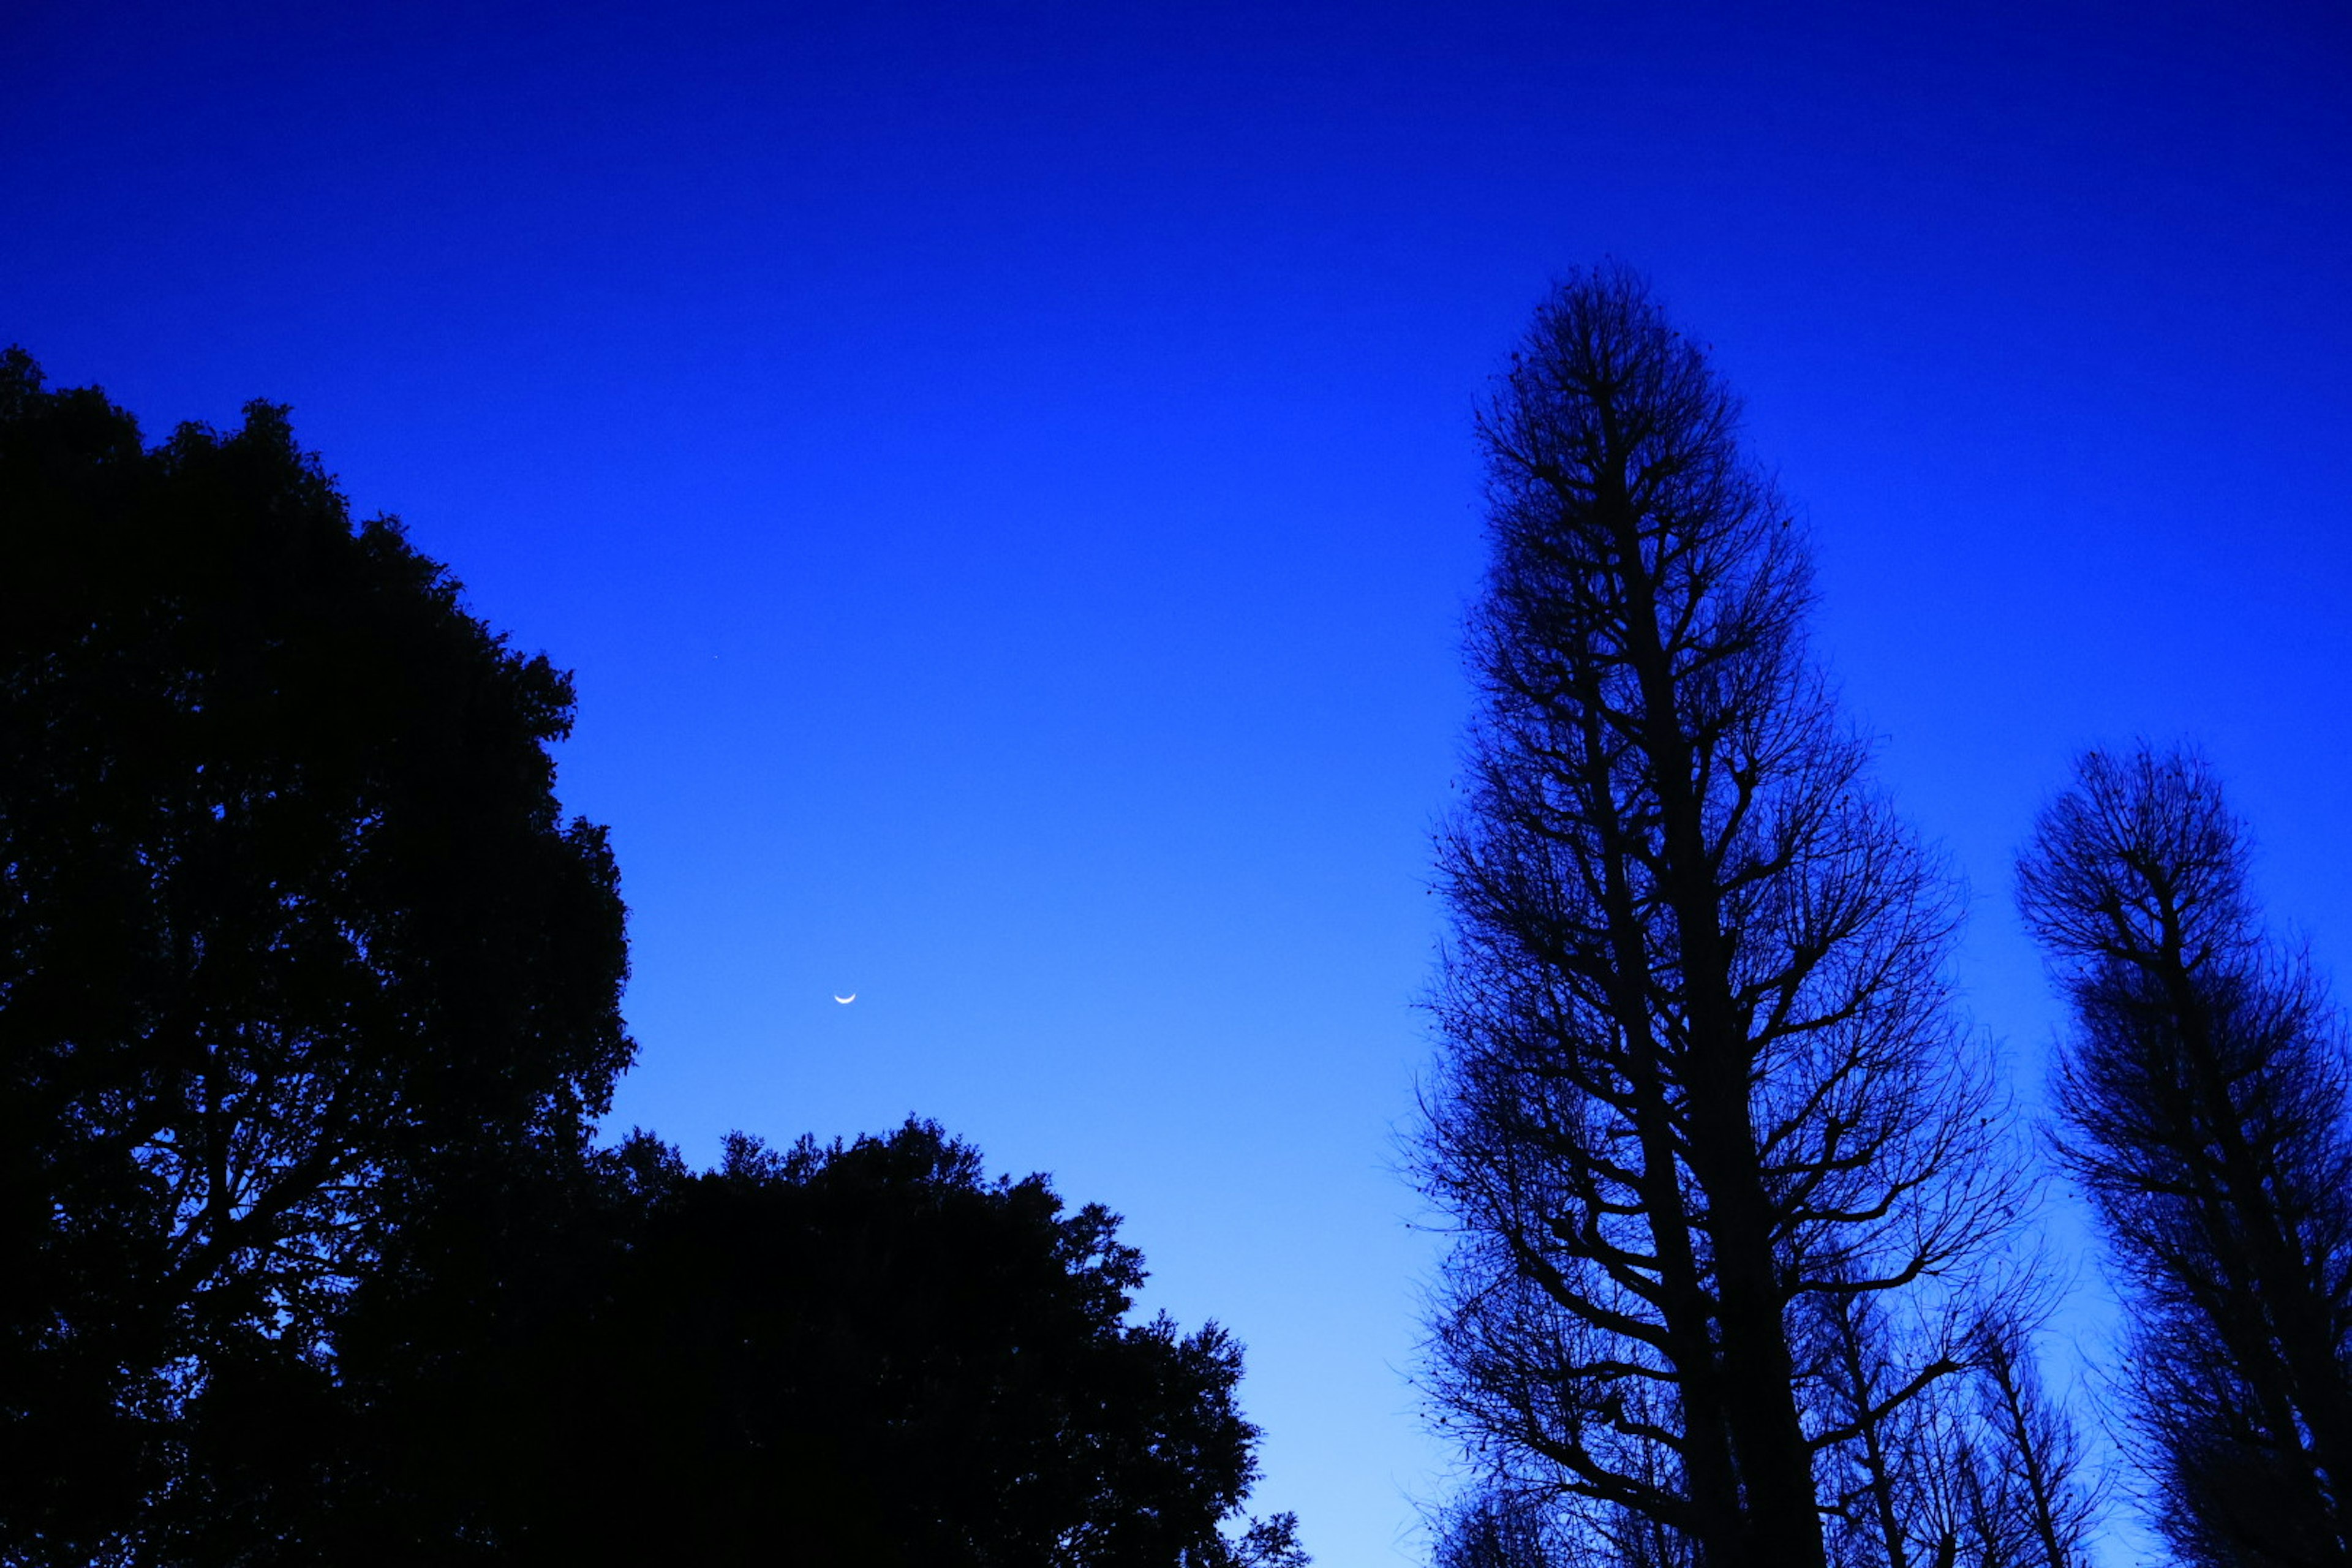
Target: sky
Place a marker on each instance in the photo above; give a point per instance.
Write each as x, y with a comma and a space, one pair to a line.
1002, 476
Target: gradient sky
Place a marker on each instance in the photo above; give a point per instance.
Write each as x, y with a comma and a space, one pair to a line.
1001, 475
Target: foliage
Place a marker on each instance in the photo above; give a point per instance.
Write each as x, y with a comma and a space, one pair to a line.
309, 999
293, 941
868, 1353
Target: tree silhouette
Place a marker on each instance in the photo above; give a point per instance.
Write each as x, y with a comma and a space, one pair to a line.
308, 1000
1699, 1079
861, 1352
2203, 1096
1983, 1469
295, 948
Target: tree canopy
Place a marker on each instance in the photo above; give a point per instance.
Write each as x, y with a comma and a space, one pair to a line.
310, 1000
859, 1351
293, 936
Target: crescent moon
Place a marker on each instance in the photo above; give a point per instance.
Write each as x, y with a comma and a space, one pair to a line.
846, 1001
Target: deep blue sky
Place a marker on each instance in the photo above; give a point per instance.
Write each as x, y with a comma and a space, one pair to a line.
1001, 474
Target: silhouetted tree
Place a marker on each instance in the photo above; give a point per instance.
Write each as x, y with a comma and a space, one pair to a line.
308, 1000
295, 949
1491, 1528
2045, 1500
864, 1353
1699, 1071
1881, 1486
2203, 1096
1510, 1521
1978, 1470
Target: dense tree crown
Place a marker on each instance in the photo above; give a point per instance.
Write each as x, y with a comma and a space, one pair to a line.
309, 999
2203, 1097
864, 1353
1719, 1157
291, 931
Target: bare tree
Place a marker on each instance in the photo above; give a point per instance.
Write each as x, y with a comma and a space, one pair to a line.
1885, 1488
2204, 1096
1493, 1528
1978, 1468
1983, 1471
2049, 1501
1698, 1066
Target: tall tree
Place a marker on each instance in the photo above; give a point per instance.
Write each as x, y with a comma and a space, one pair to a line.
295, 946
1982, 1470
1698, 1068
2046, 1498
2204, 1097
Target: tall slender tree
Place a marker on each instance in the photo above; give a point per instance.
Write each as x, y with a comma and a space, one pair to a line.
2203, 1097
2046, 1496
1985, 1471
1698, 1070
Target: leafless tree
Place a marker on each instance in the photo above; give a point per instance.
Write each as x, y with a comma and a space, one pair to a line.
1699, 1070
1980, 1468
1495, 1527
2203, 1096
2048, 1498
1885, 1488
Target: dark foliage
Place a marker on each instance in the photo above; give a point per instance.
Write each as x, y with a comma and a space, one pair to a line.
2204, 1097
856, 1353
308, 1000
1699, 1077
294, 947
